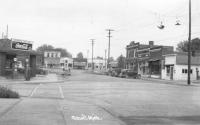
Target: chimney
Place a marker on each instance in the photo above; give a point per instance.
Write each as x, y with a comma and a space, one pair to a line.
151, 43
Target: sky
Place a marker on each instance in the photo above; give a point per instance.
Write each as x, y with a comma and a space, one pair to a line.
71, 24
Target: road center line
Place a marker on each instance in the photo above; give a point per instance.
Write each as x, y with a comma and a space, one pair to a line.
35, 90
60, 90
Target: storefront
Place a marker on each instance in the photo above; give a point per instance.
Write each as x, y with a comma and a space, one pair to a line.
176, 66
15, 57
79, 63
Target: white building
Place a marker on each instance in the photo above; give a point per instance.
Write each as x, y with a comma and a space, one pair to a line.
52, 58
176, 67
52, 54
66, 63
99, 64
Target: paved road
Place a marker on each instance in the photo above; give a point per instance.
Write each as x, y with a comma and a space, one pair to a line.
87, 99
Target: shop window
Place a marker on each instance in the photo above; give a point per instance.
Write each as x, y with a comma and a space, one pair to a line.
185, 71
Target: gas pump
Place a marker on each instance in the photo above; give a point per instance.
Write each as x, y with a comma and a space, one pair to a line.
15, 68
27, 70
197, 70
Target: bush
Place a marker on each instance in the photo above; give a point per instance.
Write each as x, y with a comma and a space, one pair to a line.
7, 93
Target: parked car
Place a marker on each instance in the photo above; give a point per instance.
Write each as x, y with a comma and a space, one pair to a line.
66, 72
125, 73
116, 72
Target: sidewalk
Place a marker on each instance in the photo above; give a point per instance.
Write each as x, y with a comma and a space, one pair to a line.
50, 78
174, 82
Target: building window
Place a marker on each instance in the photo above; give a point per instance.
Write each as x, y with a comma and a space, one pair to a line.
48, 55
185, 71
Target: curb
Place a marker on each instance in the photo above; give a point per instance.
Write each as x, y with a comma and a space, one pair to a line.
33, 82
183, 83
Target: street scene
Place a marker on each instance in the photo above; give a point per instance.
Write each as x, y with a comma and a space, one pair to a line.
100, 62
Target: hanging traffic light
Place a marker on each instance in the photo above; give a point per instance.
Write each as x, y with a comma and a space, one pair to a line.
161, 26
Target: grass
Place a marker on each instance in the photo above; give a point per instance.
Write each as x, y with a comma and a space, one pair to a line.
7, 93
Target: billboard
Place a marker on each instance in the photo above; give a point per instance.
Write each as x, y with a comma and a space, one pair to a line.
21, 45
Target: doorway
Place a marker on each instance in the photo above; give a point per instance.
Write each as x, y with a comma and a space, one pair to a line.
171, 73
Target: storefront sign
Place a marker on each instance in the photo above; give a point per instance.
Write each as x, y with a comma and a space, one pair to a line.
21, 46
79, 63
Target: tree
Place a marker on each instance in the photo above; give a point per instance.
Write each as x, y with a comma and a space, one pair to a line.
121, 61
44, 47
80, 55
64, 52
183, 46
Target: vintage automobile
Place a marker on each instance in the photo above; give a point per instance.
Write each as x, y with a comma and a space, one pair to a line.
116, 72
126, 73
113, 72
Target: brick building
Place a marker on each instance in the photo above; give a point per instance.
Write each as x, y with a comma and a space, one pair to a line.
146, 59
52, 58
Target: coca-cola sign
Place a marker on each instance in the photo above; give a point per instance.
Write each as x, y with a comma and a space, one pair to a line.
21, 46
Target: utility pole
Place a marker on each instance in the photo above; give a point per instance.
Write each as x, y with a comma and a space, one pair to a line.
2, 35
109, 36
87, 58
7, 32
189, 46
105, 59
92, 40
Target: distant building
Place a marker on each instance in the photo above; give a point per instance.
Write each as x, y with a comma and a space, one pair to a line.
66, 63
79, 63
52, 58
146, 59
99, 64
176, 66
113, 64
